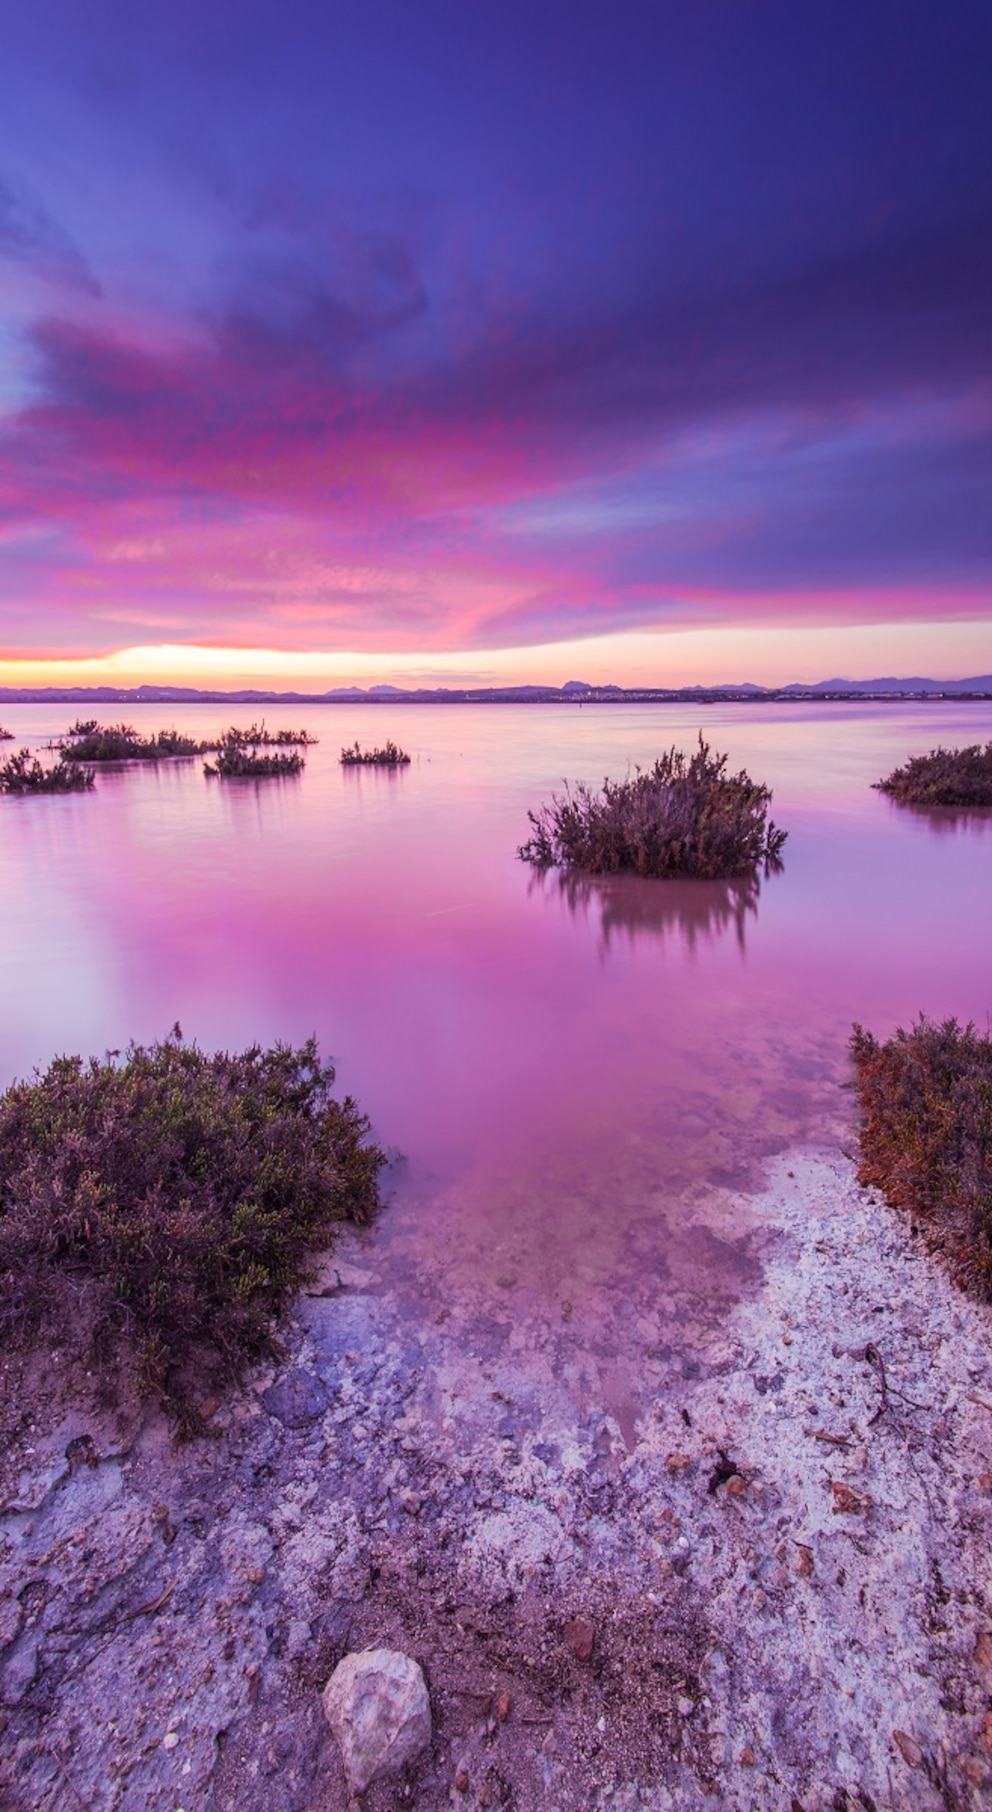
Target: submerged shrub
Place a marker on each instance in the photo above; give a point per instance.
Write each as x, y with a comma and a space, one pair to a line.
236, 763
257, 736
23, 773
170, 1198
683, 816
121, 742
960, 777
926, 1134
389, 756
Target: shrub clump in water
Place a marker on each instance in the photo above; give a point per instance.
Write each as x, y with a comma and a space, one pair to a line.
389, 756
257, 736
91, 741
926, 1135
171, 1199
6, 735
683, 816
236, 763
961, 777
23, 773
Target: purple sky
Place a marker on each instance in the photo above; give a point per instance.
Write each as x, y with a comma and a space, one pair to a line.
431, 329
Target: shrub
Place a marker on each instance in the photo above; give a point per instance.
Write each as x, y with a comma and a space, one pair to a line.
23, 773
944, 777
926, 1134
683, 816
174, 1196
389, 756
235, 763
6, 735
121, 742
257, 736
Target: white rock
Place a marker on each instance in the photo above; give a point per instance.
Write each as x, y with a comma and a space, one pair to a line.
377, 1706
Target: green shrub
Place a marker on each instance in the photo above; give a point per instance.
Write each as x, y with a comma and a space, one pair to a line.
174, 1197
389, 756
926, 1134
960, 777
683, 816
121, 742
235, 763
23, 773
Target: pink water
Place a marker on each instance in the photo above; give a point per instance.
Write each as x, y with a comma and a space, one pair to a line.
565, 1072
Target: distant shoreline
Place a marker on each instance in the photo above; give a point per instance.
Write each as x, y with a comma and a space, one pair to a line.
574, 693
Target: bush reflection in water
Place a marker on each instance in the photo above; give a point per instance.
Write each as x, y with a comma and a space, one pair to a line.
629, 905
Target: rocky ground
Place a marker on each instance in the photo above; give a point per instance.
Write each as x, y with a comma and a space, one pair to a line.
763, 1583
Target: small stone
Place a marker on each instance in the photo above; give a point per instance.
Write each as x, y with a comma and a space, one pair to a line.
747, 1757
485, 1794
377, 1706
983, 1649
846, 1502
736, 1486
678, 1462
685, 1706
503, 1704
985, 1734
910, 1751
803, 1561
580, 1638
170, 1739
985, 1481
461, 1780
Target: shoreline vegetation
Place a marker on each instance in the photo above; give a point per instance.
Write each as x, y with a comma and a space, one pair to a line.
685, 816
956, 777
168, 1203
926, 1136
24, 773
389, 756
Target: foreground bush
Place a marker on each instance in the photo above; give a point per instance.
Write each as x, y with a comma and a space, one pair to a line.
684, 816
171, 1199
944, 777
926, 1134
121, 742
235, 763
389, 756
23, 773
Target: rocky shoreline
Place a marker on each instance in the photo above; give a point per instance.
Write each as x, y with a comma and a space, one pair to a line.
767, 1587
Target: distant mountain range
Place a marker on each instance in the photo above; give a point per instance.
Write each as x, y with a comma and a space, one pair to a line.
573, 692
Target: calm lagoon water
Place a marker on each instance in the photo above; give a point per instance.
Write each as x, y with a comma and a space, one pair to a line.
567, 1071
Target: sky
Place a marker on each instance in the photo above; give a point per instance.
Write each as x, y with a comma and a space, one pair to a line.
632, 341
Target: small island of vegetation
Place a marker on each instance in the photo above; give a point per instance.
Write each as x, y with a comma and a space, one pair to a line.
683, 816
257, 736
945, 776
926, 1135
234, 762
961, 777
389, 756
6, 735
24, 773
168, 1201
91, 741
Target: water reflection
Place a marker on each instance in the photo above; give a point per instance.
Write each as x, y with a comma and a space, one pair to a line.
631, 906
946, 820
